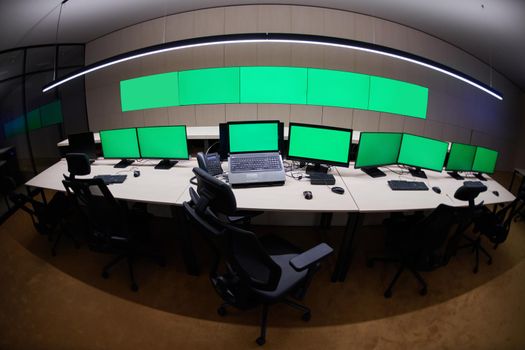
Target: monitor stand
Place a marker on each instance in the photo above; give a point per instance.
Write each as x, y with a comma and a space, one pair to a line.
456, 175
124, 163
165, 164
417, 172
373, 172
316, 168
480, 177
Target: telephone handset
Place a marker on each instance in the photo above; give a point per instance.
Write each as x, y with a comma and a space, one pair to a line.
210, 162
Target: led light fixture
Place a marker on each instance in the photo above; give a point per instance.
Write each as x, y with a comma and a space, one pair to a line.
230, 39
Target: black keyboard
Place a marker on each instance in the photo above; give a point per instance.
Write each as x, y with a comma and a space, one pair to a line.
112, 179
251, 163
322, 179
402, 185
474, 184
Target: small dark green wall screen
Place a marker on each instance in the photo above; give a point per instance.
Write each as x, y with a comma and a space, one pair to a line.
44, 116
284, 85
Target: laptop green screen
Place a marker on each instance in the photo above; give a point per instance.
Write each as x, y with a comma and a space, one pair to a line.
253, 137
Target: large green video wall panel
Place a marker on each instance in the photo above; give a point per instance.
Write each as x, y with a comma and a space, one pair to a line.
337, 89
209, 86
273, 85
398, 97
152, 91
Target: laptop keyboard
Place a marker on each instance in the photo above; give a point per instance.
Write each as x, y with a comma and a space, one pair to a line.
255, 163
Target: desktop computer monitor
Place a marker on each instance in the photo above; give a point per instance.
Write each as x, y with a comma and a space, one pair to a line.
460, 158
163, 142
422, 153
319, 145
484, 161
120, 144
83, 142
377, 149
254, 136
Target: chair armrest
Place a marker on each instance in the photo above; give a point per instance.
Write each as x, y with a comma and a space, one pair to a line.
311, 256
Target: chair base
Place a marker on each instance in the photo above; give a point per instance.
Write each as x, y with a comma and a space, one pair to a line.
476, 246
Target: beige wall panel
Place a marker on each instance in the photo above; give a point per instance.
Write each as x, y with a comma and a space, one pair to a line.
467, 64
209, 22
240, 55
504, 146
339, 59
307, 20
210, 56
125, 70
96, 79
306, 114
176, 61
429, 47
241, 19
241, 112
180, 26
340, 117
274, 19
453, 133
155, 64
272, 54
434, 130
131, 119
94, 97
206, 115
365, 120
103, 47
339, 24
391, 34
307, 56
183, 115
391, 122
274, 112
394, 69
156, 116
367, 63
414, 125
364, 28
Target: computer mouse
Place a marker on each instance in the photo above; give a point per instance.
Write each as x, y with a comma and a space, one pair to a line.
338, 190
136, 173
496, 193
307, 195
436, 189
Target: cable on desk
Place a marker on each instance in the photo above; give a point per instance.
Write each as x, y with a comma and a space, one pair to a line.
193, 180
209, 148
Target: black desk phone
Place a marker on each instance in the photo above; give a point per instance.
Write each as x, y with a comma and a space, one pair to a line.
210, 162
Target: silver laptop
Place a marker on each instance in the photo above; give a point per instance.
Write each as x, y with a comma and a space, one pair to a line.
261, 168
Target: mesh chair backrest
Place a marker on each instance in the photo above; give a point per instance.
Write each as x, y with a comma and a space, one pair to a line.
431, 233
78, 164
219, 195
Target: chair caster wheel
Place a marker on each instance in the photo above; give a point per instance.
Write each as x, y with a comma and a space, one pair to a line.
222, 311
134, 287
423, 291
388, 294
369, 263
105, 274
475, 270
306, 316
260, 341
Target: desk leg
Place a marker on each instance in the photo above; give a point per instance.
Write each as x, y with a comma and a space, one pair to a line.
512, 180
345, 251
190, 260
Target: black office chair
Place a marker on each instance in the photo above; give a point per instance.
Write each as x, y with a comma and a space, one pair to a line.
113, 228
257, 271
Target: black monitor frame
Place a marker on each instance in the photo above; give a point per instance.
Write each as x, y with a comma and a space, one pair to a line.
416, 170
455, 172
224, 136
165, 163
318, 163
479, 174
124, 162
372, 170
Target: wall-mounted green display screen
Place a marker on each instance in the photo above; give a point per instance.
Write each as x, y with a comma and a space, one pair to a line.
422, 152
51, 113
461, 157
163, 142
253, 137
153, 91
208, 86
319, 144
33, 119
273, 85
398, 97
377, 149
120, 143
337, 89
485, 160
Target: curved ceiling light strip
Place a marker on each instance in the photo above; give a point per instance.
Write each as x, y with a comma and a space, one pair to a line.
276, 38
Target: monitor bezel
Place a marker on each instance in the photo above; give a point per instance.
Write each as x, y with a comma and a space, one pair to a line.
314, 160
450, 150
280, 134
420, 167
377, 132
163, 126
102, 144
496, 162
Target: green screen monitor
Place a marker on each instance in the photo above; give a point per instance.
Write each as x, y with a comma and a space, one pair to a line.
120, 144
460, 158
484, 161
377, 149
319, 145
163, 142
254, 136
422, 153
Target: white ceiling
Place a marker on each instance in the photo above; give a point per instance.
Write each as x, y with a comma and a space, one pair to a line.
492, 30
